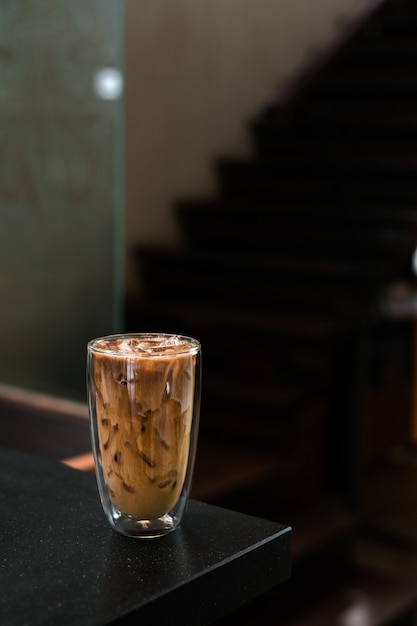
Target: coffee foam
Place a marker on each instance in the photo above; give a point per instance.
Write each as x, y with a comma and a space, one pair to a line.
146, 345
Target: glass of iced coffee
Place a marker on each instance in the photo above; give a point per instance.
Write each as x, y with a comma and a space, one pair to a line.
144, 394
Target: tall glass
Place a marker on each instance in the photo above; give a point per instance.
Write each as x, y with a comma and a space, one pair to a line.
144, 393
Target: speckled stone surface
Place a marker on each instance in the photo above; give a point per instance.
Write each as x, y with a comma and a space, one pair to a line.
61, 563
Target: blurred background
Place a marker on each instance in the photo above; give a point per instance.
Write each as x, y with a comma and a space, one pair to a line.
243, 172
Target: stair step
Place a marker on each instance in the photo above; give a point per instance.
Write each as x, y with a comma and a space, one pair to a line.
255, 180
280, 286
330, 111
335, 138
393, 167
322, 229
336, 143
336, 147
401, 78
396, 51
291, 426
275, 401
218, 321
352, 218
325, 119
240, 270
243, 232
313, 190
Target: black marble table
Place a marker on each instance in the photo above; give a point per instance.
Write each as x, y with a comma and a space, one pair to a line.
61, 563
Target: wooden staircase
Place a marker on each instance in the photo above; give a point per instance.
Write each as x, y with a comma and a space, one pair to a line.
281, 276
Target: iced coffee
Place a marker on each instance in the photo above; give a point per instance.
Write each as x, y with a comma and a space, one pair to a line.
142, 388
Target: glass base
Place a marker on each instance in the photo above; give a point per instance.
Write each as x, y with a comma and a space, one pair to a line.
142, 528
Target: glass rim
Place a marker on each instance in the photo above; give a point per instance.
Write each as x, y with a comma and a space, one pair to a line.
191, 345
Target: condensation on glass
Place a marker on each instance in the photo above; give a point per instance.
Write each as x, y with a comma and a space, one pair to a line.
61, 188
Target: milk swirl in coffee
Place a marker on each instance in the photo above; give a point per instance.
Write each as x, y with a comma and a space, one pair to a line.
144, 406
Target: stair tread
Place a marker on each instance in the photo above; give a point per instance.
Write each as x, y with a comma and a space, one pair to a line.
309, 187
218, 262
218, 316
330, 165
325, 112
364, 216
401, 76
360, 47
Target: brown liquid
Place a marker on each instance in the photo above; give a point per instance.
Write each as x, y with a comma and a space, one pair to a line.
144, 408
